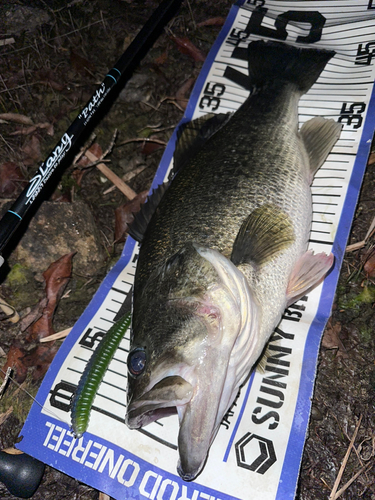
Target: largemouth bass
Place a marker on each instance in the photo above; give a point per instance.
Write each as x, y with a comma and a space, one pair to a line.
225, 251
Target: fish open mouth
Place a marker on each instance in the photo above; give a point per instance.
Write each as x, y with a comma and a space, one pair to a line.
160, 401
199, 413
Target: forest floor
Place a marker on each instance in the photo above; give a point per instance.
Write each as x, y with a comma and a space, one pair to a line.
57, 54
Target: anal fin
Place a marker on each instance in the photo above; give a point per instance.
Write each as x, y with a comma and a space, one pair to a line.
308, 272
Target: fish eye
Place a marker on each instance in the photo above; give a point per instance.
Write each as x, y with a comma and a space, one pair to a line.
137, 361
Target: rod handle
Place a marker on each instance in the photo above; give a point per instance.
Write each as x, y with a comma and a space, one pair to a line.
20, 473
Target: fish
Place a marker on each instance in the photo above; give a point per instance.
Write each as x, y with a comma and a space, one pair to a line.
224, 250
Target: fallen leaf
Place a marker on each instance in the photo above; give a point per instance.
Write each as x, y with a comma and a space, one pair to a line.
61, 197
10, 177
369, 266
16, 118
30, 130
40, 358
213, 21
15, 360
32, 150
149, 147
56, 278
80, 64
124, 215
162, 59
185, 46
331, 339
96, 150
33, 315
184, 92
49, 77
77, 175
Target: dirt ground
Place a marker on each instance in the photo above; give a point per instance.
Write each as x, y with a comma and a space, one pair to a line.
57, 54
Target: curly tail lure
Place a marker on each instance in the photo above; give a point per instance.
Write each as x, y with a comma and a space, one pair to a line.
93, 375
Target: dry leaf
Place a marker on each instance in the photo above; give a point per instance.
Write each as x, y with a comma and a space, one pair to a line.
149, 147
162, 59
10, 177
369, 266
96, 150
49, 77
185, 46
32, 150
30, 130
15, 360
124, 215
56, 278
213, 21
331, 339
33, 315
184, 92
80, 64
16, 118
40, 357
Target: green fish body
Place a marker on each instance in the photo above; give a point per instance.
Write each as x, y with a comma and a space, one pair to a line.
225, 251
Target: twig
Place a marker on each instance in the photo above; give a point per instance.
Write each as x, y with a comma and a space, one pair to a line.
192, 16
344, 462
12, 314
115, 179
81, 153
54, 11
142, 139
111, 144
5, 415
5, 381
171, 100
346, 485
7, 41
360, 244
57, 336
58, 37
127, 177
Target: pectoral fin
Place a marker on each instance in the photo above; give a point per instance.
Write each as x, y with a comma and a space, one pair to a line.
265, 232
308, 272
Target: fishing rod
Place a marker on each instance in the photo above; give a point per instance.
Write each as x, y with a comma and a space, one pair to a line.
55, 163
20, 472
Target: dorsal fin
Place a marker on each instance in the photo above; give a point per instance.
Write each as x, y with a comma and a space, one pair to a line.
265, 232
142, 218
319, 136
191, 137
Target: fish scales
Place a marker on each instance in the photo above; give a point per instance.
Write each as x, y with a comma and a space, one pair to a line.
226, 251
242, 166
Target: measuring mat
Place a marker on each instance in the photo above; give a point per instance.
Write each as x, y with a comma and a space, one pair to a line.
258, 449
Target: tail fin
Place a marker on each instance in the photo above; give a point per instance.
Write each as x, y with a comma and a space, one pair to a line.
278, 61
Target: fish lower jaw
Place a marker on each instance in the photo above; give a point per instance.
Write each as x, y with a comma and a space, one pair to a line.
136, 419
188, 476
162, 400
